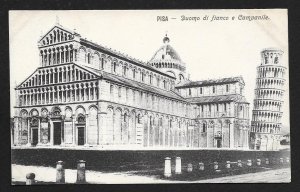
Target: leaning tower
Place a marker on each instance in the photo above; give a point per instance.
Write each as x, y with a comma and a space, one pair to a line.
268, 101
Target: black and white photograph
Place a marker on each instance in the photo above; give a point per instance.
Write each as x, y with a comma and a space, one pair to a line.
149, 96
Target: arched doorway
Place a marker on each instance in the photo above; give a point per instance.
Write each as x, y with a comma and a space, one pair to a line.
57, 126
34, 131
80, 130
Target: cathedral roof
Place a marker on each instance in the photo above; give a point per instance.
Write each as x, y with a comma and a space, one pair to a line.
218, 98
124, 57
210, 82
135, 84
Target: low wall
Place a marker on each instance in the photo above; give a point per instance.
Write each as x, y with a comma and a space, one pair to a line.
131, 160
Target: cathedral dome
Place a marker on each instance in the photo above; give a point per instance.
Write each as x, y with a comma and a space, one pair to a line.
166, 54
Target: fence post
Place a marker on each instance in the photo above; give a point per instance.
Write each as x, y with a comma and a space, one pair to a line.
30, 179
281, 161
258, 162
60, 172
228, 164
216, 166
178, 165
239, 163
201, 166
167, 172
249, 163
267, 161
189, 167
81, 172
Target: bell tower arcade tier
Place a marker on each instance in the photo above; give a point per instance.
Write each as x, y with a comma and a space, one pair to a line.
268, 101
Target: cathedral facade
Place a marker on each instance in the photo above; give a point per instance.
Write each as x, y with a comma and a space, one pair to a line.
84, 94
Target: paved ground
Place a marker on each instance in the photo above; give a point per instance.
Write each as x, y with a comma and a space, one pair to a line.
272, 176
48, 174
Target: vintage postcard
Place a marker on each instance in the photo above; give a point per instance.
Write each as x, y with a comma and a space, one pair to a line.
149, 96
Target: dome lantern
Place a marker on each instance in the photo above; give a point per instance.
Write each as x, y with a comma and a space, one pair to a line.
166, 39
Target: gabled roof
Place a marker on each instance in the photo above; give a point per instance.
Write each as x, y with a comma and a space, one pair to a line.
59, 27
210, 82
41, 68
218, 98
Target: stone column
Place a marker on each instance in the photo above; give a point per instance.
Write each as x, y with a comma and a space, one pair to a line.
84, 92
86, 129
89, 92
75, 95
28, 132
30, 97
39, 131
53, 75
53, 95
73, 130
75, 74
51, 132
58, 75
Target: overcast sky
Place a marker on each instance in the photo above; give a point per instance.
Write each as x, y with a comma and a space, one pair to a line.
210, 50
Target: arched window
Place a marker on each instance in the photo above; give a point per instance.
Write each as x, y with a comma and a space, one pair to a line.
214, 89
165, 84
190, 92
124, 71
227, 88
114, 67
143, 76
102, 63
266, 60
119, 92
111, 89
81, 119
204, 128
125, 117
88, 58
150, 79
276, 60
201, 90
133, 73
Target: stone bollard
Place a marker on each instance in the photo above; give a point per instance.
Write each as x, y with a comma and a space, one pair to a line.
281, 161
189, 167
249, 163
258, 162
81, 172
239, 163
178, 165
60, 172
167, 172
287, 160
228, 164
30, 179
216, 166
201, 166
267, 161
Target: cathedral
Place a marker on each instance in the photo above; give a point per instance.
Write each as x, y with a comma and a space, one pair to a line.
87, 95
